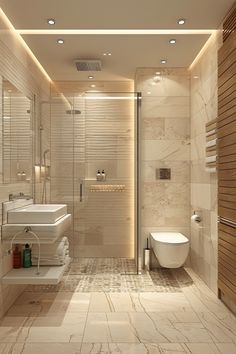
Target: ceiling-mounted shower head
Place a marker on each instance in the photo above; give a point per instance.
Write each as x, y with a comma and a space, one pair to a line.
73, 111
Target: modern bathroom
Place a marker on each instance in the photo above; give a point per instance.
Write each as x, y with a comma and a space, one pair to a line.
117, 183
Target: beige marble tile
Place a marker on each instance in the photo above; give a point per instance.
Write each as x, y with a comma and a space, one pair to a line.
38, 348
121, 328
100, 302
113, 348
226, 348
158, 302
124, 302
221, 326
97, 329
165, 348
202, 348
145, 328
177, 150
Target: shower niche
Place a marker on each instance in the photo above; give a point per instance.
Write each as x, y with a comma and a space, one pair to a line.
17, 143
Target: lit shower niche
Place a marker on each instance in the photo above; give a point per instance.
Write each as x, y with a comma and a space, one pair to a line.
107, 188
39, 224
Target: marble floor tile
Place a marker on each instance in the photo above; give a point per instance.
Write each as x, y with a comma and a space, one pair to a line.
97, 329
221, 329
145, 328
121, 328
202, 348
157, 302
226, 348
114, 348
39, 348
100, 302
124, 302
166, 348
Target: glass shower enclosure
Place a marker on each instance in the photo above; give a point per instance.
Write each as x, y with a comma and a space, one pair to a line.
94, 170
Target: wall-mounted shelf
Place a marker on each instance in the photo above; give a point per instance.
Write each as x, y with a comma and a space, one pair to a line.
48, 275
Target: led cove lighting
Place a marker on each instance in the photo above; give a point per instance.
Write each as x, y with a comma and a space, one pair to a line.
172, 41
181, 21
60, 41
23, 43
51, 21
113, 31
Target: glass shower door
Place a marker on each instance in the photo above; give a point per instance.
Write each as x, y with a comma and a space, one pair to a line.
104, 211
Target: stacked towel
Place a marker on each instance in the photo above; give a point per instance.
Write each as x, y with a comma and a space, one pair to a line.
52, 254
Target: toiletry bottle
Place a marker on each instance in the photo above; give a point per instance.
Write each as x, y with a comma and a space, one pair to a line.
16, 257
103, 176
99, 175
27, 256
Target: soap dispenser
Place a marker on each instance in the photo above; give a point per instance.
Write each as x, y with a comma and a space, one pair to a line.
99, 176
27, 263
103, 176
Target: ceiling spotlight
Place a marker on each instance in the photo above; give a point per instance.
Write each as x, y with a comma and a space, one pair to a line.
195, 77
104, 54
163, 61
90, 77
51, 21
109, 54
158, 73
60, 41
181, 21
172, 41
93, 86
149, 92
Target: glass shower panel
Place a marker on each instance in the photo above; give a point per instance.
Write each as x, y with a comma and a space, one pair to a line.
104, 214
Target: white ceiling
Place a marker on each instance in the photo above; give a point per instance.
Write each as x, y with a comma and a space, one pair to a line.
128, 51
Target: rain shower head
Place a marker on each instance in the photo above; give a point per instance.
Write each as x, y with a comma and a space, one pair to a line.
73, 111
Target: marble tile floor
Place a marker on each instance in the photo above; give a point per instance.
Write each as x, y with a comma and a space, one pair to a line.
115, 275
191, 321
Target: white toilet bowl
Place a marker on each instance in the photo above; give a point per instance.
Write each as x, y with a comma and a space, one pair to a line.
170, 248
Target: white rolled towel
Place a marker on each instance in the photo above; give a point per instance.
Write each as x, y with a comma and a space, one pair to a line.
56, 248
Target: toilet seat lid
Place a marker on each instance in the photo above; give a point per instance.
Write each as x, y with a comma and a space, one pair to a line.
170, 237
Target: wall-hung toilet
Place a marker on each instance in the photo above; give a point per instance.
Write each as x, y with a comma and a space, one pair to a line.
170, 248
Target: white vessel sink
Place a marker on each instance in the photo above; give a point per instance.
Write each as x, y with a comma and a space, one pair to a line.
47, 232
37, 214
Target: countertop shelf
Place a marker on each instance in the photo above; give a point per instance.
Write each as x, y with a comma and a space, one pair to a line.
48, 275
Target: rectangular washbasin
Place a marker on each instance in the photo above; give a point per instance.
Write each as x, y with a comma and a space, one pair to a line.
37, 214
47, 233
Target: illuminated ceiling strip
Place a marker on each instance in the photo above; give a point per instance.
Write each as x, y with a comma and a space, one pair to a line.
203, 49
113, 31
12, 28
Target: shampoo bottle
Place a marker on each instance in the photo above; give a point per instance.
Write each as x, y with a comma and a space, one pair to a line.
27, 256
16, 257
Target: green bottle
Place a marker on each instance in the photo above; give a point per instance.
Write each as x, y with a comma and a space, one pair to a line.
27, 263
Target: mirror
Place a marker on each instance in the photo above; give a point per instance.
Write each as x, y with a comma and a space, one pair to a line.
17, 135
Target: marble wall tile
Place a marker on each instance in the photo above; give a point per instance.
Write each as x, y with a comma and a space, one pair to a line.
165, 106
203, 184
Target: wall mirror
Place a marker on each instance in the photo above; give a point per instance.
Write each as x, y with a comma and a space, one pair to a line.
16, 135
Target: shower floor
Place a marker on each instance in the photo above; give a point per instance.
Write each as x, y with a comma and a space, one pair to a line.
115, 275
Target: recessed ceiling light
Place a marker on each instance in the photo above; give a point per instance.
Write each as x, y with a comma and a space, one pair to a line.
195, 77
163, 61
90, 77
181, 21
158, 73
104, 54
109, 54
172, 41
60, 41
149, 92
51, 21
93, 86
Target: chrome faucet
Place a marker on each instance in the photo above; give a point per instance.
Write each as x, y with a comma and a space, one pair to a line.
19, 195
